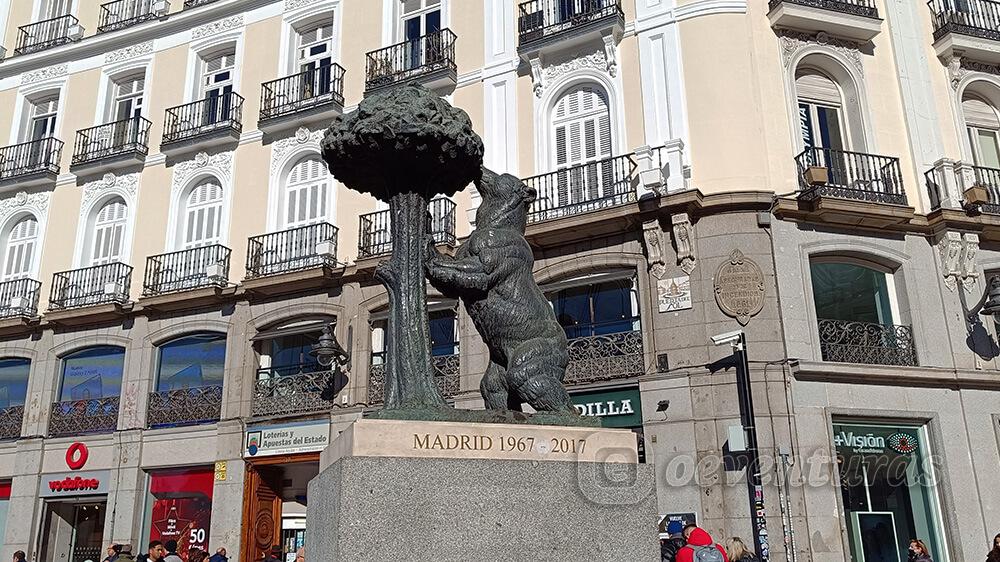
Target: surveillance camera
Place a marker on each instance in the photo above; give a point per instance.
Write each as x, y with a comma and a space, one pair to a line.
662, 405
729, 338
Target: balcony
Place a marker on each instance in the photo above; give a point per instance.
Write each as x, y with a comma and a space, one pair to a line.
447, 375
19, 298
966, 28
583, 188
186, 270
824, 172
122, 14
91, 286
375, 231
295, 389
605, 357
564, 24
10, 422
303, 257
429, 60
851, 19
317, 94
867, 343
83, 417
47, 34
30, 163
185, 406
196, 3
111, 145
203, 124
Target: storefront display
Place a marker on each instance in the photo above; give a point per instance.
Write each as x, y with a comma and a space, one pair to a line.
889, 490
74, 509
180, 507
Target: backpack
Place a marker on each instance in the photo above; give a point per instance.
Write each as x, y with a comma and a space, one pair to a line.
706, 553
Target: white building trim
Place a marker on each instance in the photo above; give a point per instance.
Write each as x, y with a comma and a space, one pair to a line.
95, 194
285, 153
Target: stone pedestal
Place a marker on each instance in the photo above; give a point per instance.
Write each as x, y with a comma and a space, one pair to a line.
401, 490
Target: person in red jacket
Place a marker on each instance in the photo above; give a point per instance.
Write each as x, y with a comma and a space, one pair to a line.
698, 539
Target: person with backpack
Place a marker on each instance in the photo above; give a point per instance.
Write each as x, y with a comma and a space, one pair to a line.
172, 555
671, 545
700, 547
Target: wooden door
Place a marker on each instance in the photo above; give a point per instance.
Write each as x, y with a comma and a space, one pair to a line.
262, 512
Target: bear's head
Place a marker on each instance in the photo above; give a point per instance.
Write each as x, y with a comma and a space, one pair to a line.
506, 200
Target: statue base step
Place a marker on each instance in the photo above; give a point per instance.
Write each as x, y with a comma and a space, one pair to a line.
403, 490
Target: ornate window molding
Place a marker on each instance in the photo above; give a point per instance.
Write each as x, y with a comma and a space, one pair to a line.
794, 42
129, 52
36, 203
55, 71
216, 27
284, 154
219, 165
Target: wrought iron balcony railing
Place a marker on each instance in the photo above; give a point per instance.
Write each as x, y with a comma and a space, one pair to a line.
975, 18
10, 422
605, 357
539, 19
185, 406
411, 60
302, 91
81, 417
19, 298
32, 157
447, 375
843, 341
210, 115
90, 286
125, 137
863, 8
46, 34
937, 182
854, 175
196, 3
988, 178
291, 250
205, 266
374, 238
583, 188
294, 389
121, 14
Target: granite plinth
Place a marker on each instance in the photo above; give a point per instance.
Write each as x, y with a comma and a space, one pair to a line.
413, 506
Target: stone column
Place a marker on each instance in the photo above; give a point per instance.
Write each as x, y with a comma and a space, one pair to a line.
227, 495
126, 493
22, 513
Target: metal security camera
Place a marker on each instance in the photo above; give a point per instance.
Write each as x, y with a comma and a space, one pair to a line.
729, 338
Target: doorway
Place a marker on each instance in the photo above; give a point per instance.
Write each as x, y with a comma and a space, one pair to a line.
73, 531
275, 504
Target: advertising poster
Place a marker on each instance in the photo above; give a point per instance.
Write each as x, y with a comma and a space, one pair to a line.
182, 508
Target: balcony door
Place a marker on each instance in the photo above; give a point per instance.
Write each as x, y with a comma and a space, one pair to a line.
983, 126
582, 134
421, 18
203, 216
821, 124
217, 87
43, 118
127, 110
109, 232
315, 60
55, 8
306, 198
19, 251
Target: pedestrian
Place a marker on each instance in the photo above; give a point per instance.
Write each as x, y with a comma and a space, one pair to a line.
154, 554
113, 552
219, 556
300, 555
125, 553
994, 555
197, 555
918, 551
19, 556
172, 555
700, 547
275, 555
737, 551
673, 542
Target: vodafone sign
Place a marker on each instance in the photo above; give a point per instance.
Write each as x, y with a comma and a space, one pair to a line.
76, 483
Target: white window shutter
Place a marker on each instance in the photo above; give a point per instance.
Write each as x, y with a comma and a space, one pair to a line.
20, 249
306, 190
109, 232
203, 216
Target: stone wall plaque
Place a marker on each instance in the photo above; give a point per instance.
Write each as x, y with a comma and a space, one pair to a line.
739, 287
674, 293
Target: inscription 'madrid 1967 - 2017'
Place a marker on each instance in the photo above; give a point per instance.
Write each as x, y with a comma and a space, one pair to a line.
498, 443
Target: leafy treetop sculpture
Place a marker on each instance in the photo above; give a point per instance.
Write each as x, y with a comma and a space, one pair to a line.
405, 146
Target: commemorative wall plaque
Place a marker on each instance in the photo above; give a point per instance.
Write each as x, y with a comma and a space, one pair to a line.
739, 287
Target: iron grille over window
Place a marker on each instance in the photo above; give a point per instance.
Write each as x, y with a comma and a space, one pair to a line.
101, 284
866, 342
410, 60
185, 406
538, 19
374, 233
218, 113
446, 376
196, 3
33, 157
82, 417
128, 136
292, 250
303, 91
46, 34
291, 389
205, 266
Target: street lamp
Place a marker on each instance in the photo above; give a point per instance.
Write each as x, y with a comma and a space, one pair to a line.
327, 350
738, 340
989, 305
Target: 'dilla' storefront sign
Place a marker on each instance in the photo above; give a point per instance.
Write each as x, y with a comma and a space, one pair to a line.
616, 408
77, 482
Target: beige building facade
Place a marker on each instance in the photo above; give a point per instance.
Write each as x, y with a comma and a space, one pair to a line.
821, 174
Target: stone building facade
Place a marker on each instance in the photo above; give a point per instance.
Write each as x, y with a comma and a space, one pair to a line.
821, 175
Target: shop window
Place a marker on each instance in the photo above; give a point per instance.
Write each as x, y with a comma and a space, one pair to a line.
13, 382
596, 309
92, 373
889, 490
191, 361
852, 292
4, 504
179, 507
285, 350
74, 530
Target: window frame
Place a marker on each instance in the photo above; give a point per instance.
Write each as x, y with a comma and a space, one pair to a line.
10, 227
889, 273
70, 355
157, 375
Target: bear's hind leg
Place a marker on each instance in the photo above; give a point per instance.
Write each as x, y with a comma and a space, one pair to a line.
535, 375
494, 388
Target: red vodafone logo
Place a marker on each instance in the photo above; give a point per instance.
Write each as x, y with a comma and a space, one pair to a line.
76, 456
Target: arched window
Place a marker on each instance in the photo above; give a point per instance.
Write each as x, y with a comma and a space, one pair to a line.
821, 110
13, 382
306, 192
596, 305
108, 232
582, 126
202, 215
19, 249
850, 290
983, 126
191, 361
91, 373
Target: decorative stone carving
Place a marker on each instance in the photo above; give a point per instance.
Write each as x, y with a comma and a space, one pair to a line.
295, 4
683, 231
222, 164
611, 55
739, 287
127, 184
958, 259
217, 27
653, 234
537, 82
959, 68
54, 71
304, 138
597, 60
129, 52
971, 246
37, 203
793, 41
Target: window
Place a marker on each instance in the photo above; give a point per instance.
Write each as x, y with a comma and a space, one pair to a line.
42, 117
852, 292
191, 361
419, 18
55, 8
13, 382
983, 126
19, 250
820, 110
179, 507
285, 350
109, 232
4, 503
92, 373
315, 58
599, 308
217, 85
443, 333
203, 215
306, 192
582, 135
128, 92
